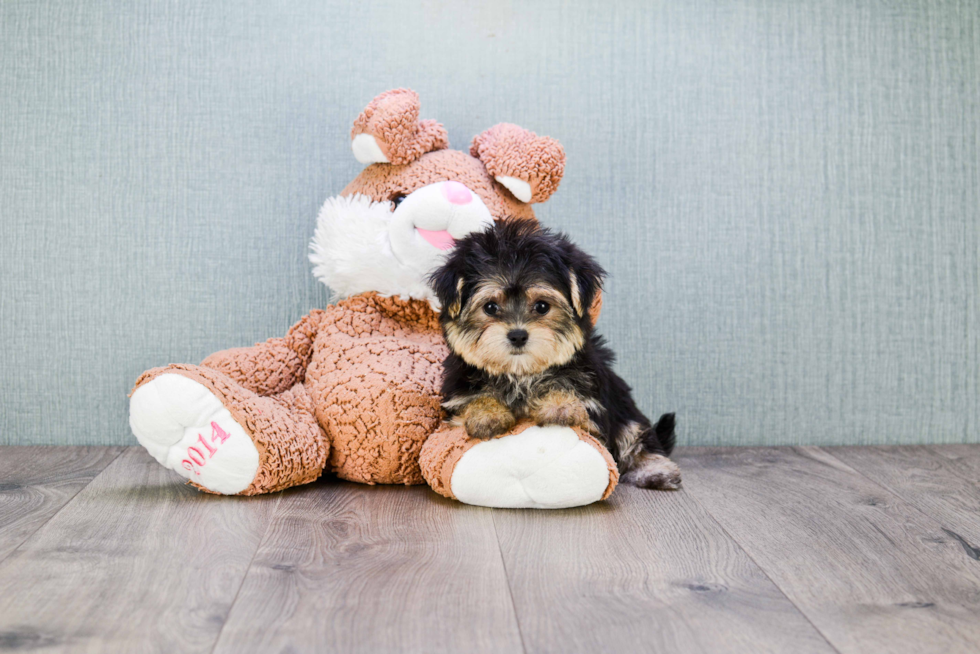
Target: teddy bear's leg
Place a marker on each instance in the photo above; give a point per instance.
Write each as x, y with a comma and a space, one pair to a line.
547, 467
223, 437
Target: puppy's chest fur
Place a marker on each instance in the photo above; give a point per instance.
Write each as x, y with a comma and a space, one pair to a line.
523, 393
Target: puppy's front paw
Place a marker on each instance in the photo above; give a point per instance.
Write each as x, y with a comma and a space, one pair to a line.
561, 409
653, 471
486, 417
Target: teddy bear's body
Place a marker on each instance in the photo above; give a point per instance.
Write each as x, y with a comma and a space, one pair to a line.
354, 388
374, 380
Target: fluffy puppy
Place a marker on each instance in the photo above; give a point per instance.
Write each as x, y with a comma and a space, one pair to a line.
515, 301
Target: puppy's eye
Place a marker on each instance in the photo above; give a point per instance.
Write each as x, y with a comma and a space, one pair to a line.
396, 199
491, 308
541, 307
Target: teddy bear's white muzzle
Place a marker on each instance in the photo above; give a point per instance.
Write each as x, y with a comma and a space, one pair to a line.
429, 220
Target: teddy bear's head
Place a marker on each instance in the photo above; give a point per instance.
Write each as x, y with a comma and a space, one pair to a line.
394, 223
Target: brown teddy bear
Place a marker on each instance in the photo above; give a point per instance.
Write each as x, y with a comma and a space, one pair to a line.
354, 388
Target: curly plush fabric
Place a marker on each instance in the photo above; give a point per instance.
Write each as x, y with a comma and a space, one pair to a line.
274, 366
392, 119
374, 379
511, 151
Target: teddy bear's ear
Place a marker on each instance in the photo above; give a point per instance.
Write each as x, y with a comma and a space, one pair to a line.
389, 130
530, 166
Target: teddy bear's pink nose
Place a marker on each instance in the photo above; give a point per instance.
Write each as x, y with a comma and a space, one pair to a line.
457, 193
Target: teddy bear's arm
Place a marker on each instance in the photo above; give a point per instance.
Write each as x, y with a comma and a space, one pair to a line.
274, 366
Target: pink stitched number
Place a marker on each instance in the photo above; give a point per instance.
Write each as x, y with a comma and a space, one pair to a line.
206, 445
218, 432
195, 457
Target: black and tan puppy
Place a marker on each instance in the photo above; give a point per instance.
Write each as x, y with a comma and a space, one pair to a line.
515, 303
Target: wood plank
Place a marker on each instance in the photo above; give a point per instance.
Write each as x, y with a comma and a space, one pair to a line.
35, 482
927, 480
645, 571
872, 572
964, 460
355, 568
138, 561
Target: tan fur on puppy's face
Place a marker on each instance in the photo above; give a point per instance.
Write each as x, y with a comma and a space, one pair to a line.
481, 339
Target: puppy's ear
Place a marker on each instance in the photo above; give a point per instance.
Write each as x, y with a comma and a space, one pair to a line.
448, 285
585, 277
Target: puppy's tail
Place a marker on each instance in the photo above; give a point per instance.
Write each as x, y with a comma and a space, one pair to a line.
660, 438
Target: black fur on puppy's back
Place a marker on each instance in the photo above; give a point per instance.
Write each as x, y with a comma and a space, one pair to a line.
616, 397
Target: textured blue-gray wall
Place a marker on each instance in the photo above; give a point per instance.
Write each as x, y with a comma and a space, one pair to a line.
786, 193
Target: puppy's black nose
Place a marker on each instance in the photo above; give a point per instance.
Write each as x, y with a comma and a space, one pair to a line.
517, 337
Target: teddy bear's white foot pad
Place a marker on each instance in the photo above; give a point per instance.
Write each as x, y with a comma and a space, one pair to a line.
187, 429
539, 468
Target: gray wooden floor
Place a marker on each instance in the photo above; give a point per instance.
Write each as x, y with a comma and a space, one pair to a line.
764, 550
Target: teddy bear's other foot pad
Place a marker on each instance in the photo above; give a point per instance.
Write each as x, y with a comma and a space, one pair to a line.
540, 467
186, 428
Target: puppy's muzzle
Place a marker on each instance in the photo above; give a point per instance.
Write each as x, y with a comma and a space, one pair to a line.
517, 337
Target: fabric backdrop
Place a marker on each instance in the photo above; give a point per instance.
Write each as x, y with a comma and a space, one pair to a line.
785, 193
